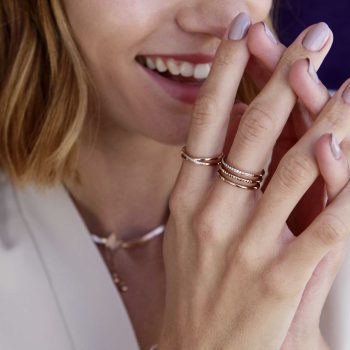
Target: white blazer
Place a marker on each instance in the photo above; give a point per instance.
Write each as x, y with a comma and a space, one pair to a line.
56, 292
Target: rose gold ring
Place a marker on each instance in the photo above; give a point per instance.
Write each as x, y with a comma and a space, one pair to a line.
239, 178
255, 187
201, 160
246, 174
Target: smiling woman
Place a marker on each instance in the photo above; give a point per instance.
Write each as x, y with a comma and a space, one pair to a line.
108, 109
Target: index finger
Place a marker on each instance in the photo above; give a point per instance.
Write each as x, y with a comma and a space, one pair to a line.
213, 106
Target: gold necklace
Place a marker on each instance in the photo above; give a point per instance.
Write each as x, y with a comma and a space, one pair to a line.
111, 244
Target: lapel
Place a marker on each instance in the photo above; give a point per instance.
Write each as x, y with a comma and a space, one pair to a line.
90, 305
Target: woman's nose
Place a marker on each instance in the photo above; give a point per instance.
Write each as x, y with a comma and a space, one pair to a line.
211, 17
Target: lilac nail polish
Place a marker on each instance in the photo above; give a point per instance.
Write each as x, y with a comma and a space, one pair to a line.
335, 148
239, 27
317, 37
346, 94
269, 33
312, 72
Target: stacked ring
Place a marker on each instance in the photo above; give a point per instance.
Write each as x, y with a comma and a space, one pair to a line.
242, 179
201, 161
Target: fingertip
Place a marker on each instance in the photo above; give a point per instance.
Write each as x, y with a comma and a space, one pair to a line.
328, 152
320, 27
305, 83
239, 108
332, 164
263, 44
343, 87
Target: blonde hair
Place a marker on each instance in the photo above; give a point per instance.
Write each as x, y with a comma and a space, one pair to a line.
44, 92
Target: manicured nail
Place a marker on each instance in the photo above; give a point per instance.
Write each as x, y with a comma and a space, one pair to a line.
317, 37
335, 148
269, 33
239, 27
346, 94
312, 71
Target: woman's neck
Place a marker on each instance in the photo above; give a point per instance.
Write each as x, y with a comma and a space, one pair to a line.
125, 184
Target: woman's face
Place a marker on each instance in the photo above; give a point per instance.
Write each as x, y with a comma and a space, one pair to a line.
179, 36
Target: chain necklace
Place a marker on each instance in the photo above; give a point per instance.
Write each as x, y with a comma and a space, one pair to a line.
111, 244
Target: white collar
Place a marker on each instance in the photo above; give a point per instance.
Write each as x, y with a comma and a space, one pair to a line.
90, 304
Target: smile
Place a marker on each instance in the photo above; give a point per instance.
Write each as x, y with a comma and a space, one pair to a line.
177, 68
181, 76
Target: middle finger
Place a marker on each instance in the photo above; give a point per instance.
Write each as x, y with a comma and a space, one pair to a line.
265, 118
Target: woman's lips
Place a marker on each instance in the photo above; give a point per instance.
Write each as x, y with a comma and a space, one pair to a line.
184, 92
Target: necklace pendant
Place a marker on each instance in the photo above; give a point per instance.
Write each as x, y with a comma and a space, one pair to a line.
122, 287
112, 242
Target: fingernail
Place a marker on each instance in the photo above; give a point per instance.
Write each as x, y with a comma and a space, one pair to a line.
269, 33
317, 37
335, 148
312, 71
346, 94
239, 27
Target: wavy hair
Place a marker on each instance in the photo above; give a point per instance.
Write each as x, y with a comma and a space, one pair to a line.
44, 92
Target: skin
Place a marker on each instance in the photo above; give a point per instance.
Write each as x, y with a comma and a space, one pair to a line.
335, 173
246, 230
139, 122
156, 132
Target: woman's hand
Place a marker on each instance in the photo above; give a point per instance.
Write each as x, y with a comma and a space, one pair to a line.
304, 332
232, 282
313, 96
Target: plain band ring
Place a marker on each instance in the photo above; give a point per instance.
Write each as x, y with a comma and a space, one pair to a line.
209, 161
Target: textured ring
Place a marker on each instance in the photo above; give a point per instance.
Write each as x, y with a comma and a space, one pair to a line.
242, 179
210, 161
256, 187
232, 176
257, 177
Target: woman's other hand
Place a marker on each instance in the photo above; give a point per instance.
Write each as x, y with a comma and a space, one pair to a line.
230, 281
313, 96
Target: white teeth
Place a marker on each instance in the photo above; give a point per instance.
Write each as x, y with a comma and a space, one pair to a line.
202, 71
161, 66
186, 69
150, 64
173, 67
183, 68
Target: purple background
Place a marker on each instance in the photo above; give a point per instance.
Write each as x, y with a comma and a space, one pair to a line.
292, 16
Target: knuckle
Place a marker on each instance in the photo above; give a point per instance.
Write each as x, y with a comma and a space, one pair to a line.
331, 230
205, 109
295, 170
245, 259
288, 58
256, 124
336, 118
274, 284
